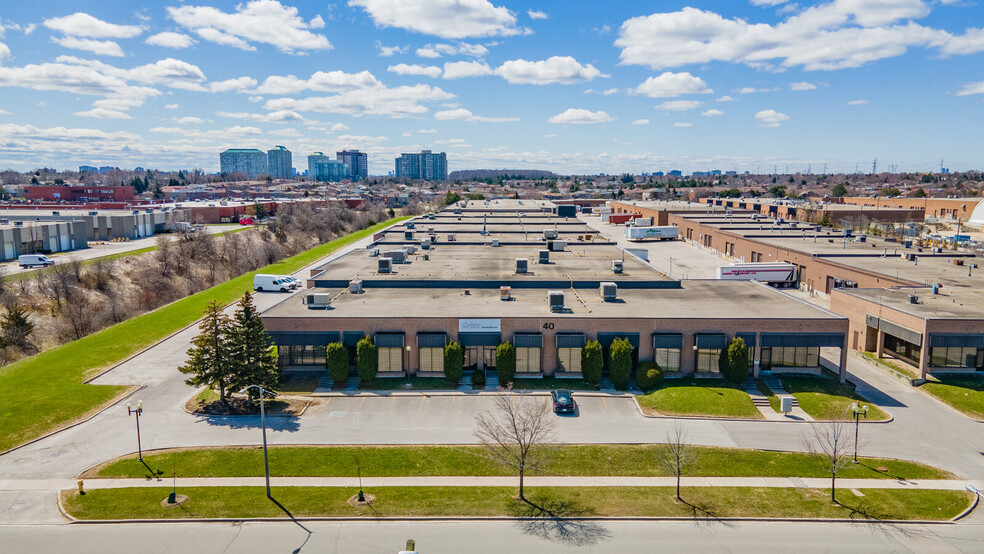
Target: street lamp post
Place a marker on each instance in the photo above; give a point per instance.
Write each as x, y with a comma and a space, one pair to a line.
859, 412
266, 459
136, 412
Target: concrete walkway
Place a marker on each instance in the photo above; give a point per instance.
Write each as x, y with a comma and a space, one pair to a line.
465, 481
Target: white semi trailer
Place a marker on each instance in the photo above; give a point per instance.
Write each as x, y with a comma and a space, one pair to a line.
665, 232
777, 274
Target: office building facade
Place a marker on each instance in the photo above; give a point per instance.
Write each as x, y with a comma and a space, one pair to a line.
329, 170
250, 161
425, 165
358, 163
279, 163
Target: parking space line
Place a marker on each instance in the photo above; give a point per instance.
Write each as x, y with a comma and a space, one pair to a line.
606, 404
421, 410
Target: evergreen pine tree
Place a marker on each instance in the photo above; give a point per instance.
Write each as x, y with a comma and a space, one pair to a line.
16, 326
209, 357
251, 360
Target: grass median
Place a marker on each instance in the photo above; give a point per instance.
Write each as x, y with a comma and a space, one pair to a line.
963, 393
45, 392
628, 460
706, 397
826, 399
698, 502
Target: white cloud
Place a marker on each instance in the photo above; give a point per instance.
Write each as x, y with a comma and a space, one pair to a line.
461, 113
443, 18
170, 40
338, 127
535, 14
367, 100
858, 102
726, 98
387, 51
580, 116
459, 70
101, 47
240, 130
610, 91
103, 113
406, 69
238, 84
288, 132
171, 130
460, 49
681, 124
563, 70
669, 85
678, 105
84, 25
263, 21
770, 118
803, 85
316, 23
427, 131
77, 77
711, 113
320, 81
747, 90
362, 139
4, 112
971, 88
641, 122
188, 120
834, 35
171, 106
282, 116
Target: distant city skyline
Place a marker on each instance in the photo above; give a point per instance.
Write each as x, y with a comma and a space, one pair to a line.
575, 88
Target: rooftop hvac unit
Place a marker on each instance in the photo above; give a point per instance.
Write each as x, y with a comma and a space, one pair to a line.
4, 221
557, 245
847, 232
505, 293
355, 287
18, 224
450, 237
556, 300
318, 300
59, 213
430, 230
550, 233
521, 265
617, 267
425, 244
544, 256
913, 299
408, 235
495, 242
409, 248
134, 212
396, 256
609, 291
864, 238
385, 265
373, 252
411, 225
907, 244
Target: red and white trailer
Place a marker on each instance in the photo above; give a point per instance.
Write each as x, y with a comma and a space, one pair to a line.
774, 273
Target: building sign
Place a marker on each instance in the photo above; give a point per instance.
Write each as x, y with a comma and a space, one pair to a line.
479, 326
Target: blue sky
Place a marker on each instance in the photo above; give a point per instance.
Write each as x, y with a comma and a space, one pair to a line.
574, 87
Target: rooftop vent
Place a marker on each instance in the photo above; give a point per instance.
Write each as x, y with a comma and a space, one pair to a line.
557, 245
385, 265
408, 235
93, 213
617, 267
550, 233
318, 300
913, 299
556, 300
505, 293
609, 291
521, 265
425, 243
430, 230
544, 256
396, 256
411, 225
373, 252
355, 287
495, 242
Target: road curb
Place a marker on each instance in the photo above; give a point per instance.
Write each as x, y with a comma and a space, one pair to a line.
965, 513
425, 393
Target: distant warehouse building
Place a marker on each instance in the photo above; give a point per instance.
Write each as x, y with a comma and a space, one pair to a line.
28, 237
78, 193
426, 165
249, 161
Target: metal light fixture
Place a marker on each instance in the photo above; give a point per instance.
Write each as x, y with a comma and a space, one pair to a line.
859, 410
136, 412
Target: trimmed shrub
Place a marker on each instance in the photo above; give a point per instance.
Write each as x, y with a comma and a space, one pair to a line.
649, 376
366, 360
620, 363
737, 361
454, 358
336, 361
591, 363
505, 363
478, 379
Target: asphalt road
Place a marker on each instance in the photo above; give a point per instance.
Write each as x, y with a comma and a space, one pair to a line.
542, 537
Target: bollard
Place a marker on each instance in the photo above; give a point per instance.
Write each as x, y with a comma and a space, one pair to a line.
81, 491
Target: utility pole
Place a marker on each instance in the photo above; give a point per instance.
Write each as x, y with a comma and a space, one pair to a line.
874, 167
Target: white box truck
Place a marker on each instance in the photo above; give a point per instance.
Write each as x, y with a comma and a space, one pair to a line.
665, 232
34, 260
779, 274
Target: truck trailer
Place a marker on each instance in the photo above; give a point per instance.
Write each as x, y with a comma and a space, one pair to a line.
665, 232
777, 274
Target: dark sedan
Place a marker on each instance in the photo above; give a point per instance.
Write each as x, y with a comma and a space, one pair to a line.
563, 401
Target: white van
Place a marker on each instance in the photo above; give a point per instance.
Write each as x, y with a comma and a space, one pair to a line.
271, 283
34, 260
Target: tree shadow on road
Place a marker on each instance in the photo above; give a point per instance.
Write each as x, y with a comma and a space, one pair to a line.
289, 424
702, 512
557, 520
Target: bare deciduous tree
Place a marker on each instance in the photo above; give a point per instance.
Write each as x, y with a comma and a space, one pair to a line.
677, 455
515, 432
164, 254
829, 443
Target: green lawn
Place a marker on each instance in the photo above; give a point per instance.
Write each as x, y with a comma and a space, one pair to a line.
585, 460
45, 392
299, 382
699, 502
551, 383
702, 397
963, 393
826, 399
766, 391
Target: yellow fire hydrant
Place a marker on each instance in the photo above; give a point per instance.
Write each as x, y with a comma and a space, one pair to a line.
81, 491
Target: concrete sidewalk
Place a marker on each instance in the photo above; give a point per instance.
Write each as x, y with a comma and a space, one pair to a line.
464, 481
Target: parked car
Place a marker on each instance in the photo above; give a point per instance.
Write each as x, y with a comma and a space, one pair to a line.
563, 401
34, 260
271, 283
295, 283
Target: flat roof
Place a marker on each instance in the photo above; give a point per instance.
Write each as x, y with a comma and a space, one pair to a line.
704, 299
949, 304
